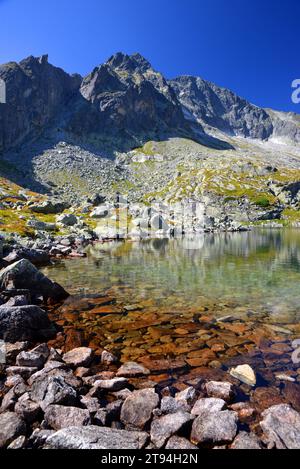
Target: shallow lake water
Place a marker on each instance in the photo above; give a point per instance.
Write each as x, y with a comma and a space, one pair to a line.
210, 301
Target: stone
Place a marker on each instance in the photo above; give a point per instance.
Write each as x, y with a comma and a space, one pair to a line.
138, 408
50, 207
108, 358
24, 371
111, 385
157, 222
220, 390
99, 212
177, 442
211, 404
11, 427
188, 395
281, 427
35, 256
40, 225
36, 358
48, 390
18, 443
58, 417
24, 275
245, 374
170, 405
38, 438
164, 427
214, 427
132, 370
27, 409
92, 404
25, 323
81, 356
12, 350
92, 437
105, 416
67, 219
247, 441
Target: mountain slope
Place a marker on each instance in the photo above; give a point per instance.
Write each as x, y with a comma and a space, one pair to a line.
219, 108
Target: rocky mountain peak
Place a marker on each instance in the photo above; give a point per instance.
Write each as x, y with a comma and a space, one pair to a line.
130, 63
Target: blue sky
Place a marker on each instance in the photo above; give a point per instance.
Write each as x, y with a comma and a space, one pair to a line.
251, 47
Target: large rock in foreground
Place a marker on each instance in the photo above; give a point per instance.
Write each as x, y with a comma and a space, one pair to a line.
24, 275
25, 323
281, 427
93, 437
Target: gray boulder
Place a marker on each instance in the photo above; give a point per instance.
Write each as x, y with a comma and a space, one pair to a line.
214, 427
50, 207
24, 275
138, 408
177, 442
210, 404
245, 441
25, 323
164, 427
11, 426
281, 427
48, 390
58, 417
92, 437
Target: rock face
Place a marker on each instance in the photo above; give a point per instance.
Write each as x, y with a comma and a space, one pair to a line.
129, 94
24, 275
93, 437
36, 92
25, 323
220, 108
281, 427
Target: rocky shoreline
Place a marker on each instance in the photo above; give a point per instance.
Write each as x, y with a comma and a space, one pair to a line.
86, 399
55, 401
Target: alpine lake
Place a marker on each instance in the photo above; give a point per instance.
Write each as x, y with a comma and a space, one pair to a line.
191, 307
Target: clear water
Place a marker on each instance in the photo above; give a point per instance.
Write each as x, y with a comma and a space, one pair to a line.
259, 270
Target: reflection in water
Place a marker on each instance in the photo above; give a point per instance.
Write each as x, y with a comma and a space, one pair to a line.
259, 270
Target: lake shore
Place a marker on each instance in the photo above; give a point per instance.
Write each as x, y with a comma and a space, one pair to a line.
59, 395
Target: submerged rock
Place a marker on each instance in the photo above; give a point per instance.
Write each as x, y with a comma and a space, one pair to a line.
245, 374
132, 370
81, 356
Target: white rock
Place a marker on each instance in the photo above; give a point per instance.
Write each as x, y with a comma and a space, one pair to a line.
245, 374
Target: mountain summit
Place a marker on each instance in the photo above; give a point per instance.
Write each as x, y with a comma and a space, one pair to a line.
127, 100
